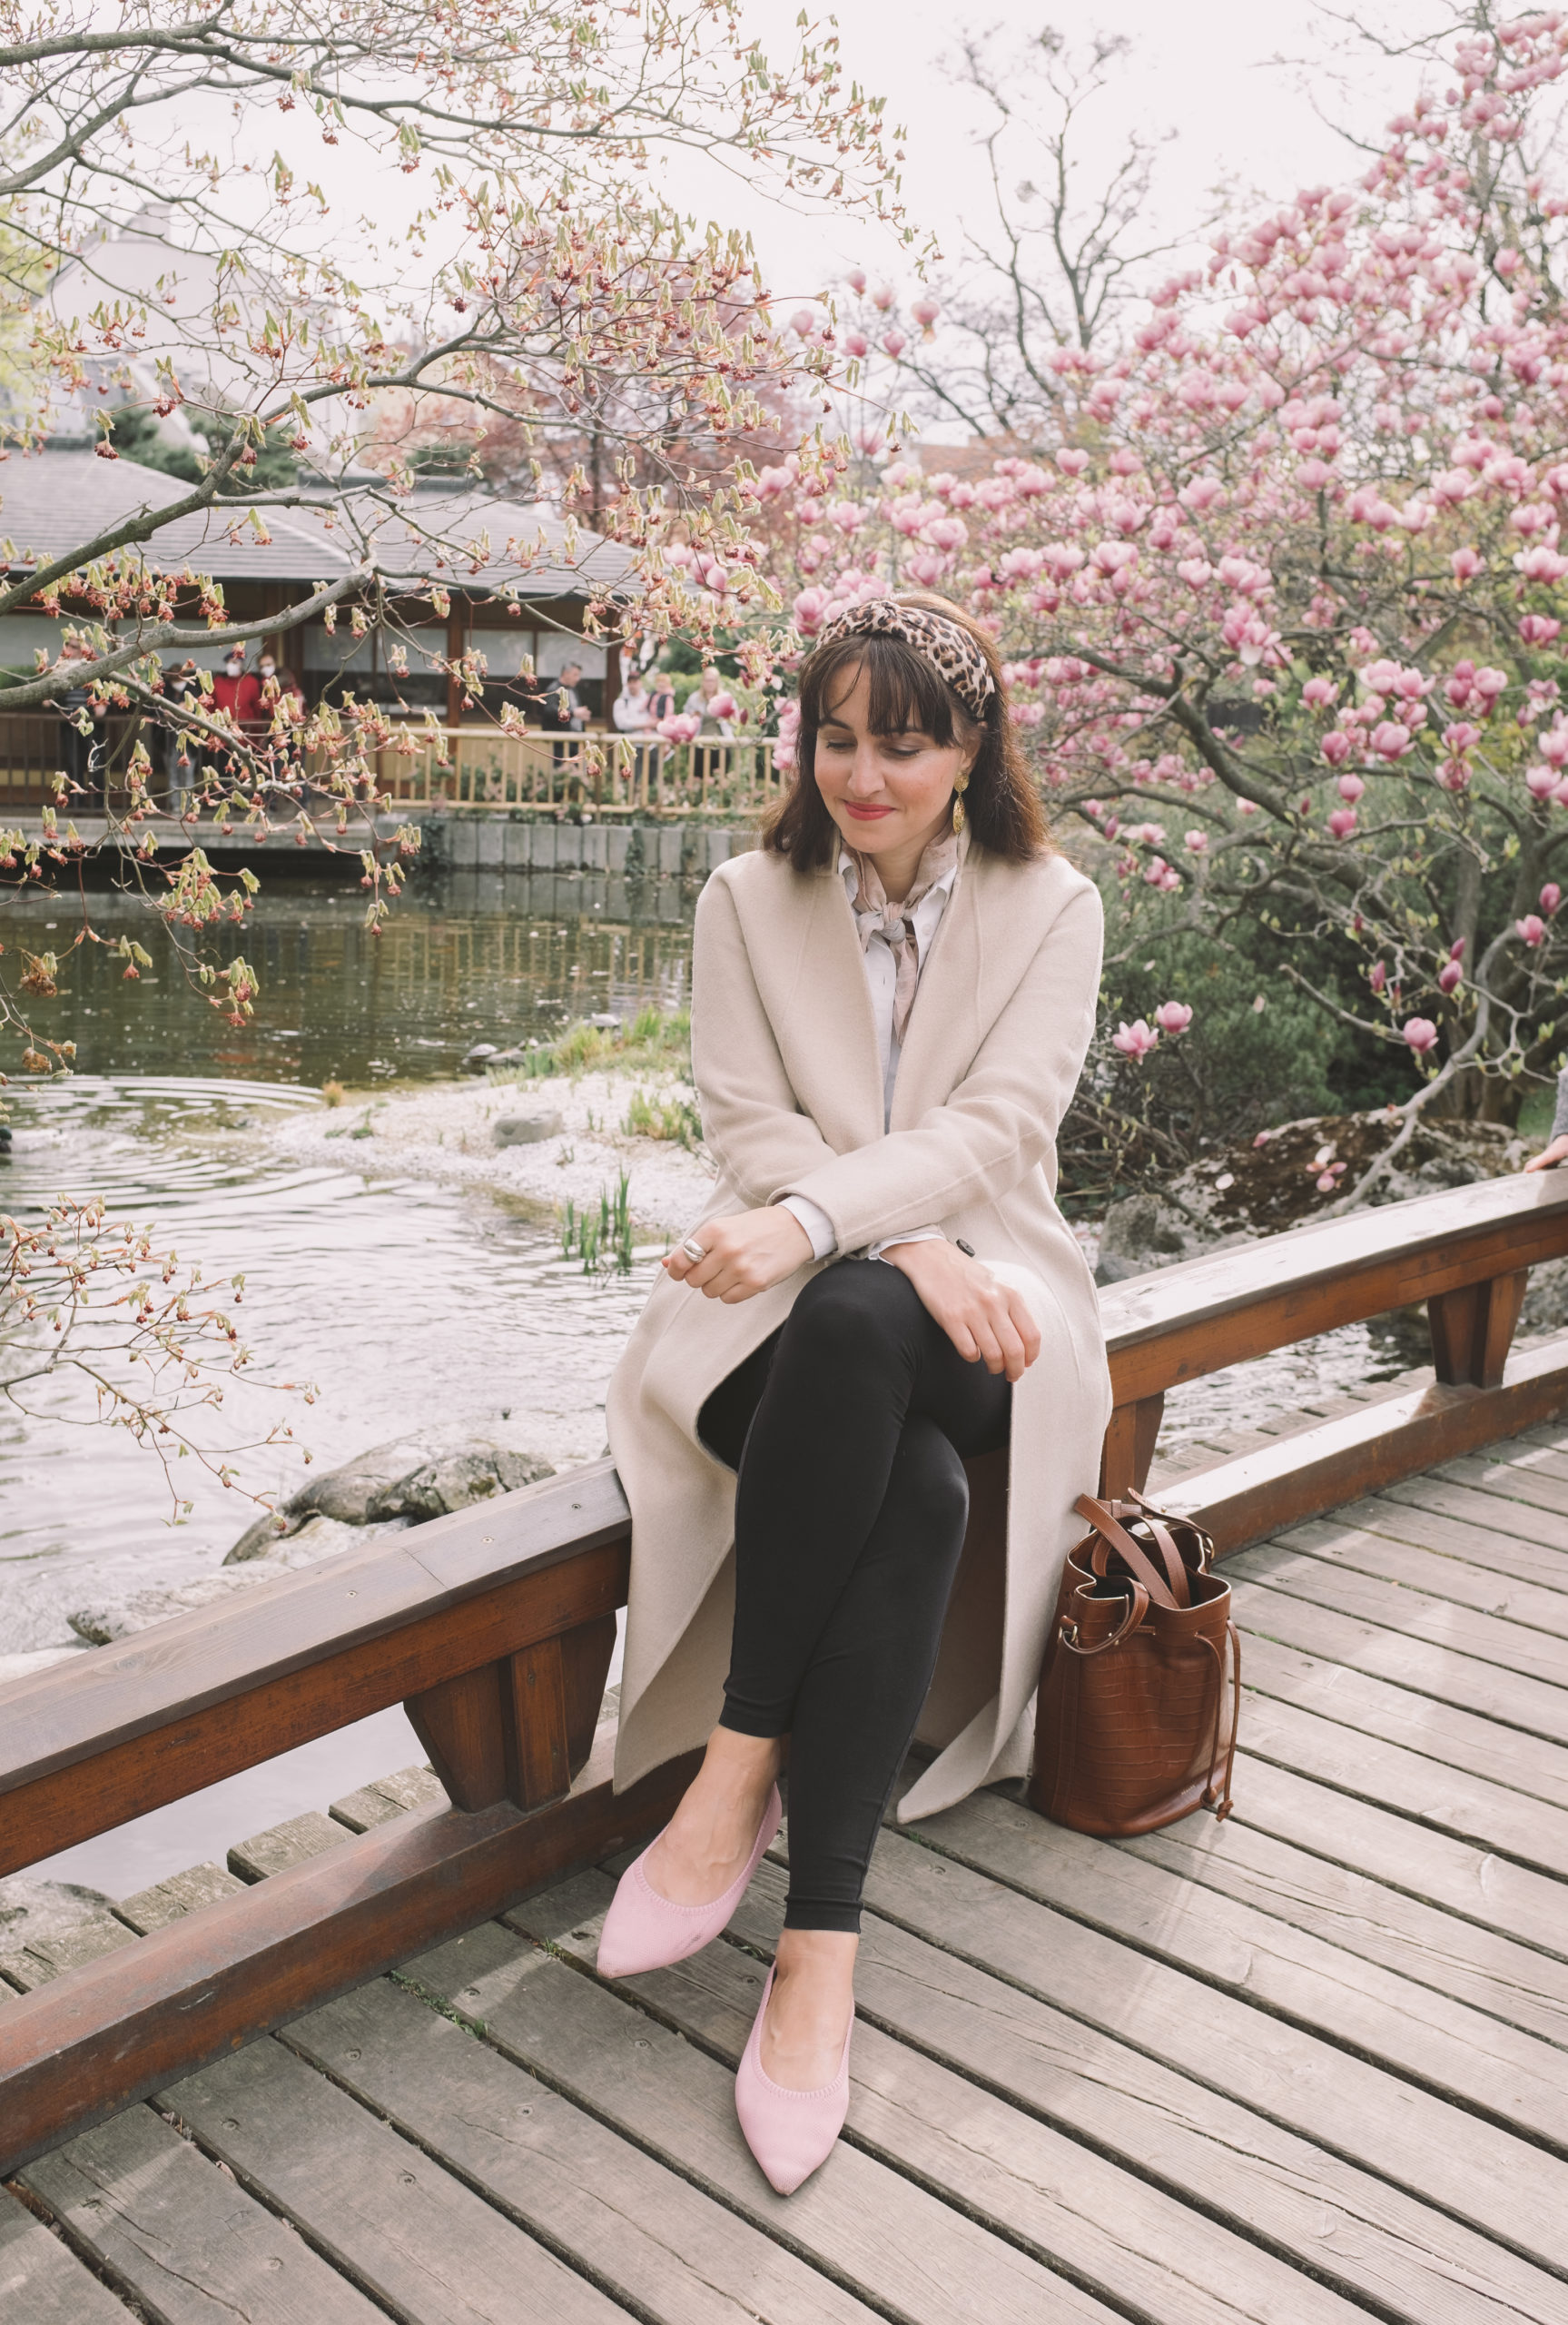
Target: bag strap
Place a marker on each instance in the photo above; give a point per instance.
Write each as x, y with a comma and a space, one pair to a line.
1216, 1792
1157, 1517
1137, 1607
1165, 1593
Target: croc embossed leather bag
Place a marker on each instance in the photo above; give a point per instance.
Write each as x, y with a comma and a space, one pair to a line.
1136, 1724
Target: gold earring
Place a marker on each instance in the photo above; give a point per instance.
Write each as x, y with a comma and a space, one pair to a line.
960, 785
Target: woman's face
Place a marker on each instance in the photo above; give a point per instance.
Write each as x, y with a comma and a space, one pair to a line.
888, 794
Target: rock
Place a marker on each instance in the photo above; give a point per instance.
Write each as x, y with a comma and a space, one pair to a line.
100, 1624
459, 1477
527, 1130
1141, 1233
31, 1909
479, 1056
1545, 1307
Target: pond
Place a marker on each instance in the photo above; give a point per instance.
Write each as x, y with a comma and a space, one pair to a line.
408, 1303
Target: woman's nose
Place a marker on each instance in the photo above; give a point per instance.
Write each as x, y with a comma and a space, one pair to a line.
865, 775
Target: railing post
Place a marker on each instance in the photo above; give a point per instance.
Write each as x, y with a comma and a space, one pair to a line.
1472, 1329
1130, 1443
520, 1729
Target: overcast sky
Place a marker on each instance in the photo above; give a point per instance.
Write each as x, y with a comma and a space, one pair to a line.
1208, 70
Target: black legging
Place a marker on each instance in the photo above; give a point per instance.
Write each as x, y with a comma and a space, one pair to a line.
850, 1426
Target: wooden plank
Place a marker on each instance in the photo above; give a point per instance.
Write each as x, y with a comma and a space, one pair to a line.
1460, 2053
1507, 1481
185, 2239
1444, 1573
42, 2284
88, 1746
1389, 1775
1134, 2242
1179, 1323
1148, 2123
1439, 2153
1364, 1449
1533, 1707
172, 1900
638, 2229
891, 2243
1417, 1861
1406, 1609
109, 2032
1367, 1919
1500, 1513
1394, 1517
1520, 1764
408, 2233
283, 1846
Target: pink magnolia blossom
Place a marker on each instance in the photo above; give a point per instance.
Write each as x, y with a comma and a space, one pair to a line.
1551, 898
679, 726
1350, 789
1378, 976
1390, 740
1342, 822
1421, 1033
1173, 1017
1336, 747
1530, 930
893, 343
1465, 564
1196, 842
1541, 782
1538, 629
1135, 1041
723, 705
1450, 977
1318, 692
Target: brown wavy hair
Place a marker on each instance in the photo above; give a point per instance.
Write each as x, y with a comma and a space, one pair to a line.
1002, 804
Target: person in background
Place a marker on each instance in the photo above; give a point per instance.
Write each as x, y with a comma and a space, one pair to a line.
283, 751
632, 713
661, 696
563, 711
711, 702
182, 685
237, 691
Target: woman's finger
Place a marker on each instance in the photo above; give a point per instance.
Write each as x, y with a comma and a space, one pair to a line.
1024, 1323
1008, 1340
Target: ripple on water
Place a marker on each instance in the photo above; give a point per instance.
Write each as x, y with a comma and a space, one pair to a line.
407, 1304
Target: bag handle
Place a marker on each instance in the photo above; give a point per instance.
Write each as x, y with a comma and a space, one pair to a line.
1171, 1593
1157, 1517
1137, 1607
1216, 1792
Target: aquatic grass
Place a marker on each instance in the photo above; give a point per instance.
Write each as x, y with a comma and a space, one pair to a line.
600, 1236
673, 1117
654, 1038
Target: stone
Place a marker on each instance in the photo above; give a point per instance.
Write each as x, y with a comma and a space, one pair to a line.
1141, 1233
1545, 1307
458, 1478
527, 1130
120, 1619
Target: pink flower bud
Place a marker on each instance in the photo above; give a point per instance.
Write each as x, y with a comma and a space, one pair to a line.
1530, 930
925, 312
1551, 898
1541, 782
1350, 787
893, 343
1450, 977
1318, 692
1421, 1033
856, 343
803, 323
1378, 978
1336, 747
882, 297
1173, 1017
1135, 1041
855, 278
1342, 822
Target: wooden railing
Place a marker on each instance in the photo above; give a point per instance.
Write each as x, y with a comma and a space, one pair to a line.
494, 1629
481, 767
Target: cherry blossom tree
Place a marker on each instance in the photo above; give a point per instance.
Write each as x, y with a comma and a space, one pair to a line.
1282, 587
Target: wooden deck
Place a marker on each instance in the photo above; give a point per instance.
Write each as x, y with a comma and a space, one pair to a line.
1305, 2066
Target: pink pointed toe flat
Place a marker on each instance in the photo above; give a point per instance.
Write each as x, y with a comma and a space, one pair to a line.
644, 1931
790, 2133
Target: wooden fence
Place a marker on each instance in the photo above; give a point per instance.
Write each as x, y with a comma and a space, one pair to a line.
494, 1629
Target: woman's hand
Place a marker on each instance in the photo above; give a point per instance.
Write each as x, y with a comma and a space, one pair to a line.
1556, 1152
742, 1255
986, 1322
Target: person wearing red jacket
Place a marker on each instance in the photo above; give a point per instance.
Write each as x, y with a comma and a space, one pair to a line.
237, 691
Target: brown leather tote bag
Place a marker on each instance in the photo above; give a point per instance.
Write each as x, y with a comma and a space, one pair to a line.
1136, 1724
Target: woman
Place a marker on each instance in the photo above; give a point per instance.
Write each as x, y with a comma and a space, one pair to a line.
881, 1322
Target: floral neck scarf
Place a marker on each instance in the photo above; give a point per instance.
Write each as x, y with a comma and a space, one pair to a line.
874, 916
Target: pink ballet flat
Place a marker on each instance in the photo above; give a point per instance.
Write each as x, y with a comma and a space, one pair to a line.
790, 2133
644, 1931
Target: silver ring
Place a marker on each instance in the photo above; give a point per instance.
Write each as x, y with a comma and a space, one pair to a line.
692, 1249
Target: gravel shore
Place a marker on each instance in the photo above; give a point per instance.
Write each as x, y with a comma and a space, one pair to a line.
456, 1133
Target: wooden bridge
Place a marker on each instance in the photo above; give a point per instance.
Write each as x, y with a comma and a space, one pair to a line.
1303, 2067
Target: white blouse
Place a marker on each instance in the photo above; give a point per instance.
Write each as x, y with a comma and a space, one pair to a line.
881, 977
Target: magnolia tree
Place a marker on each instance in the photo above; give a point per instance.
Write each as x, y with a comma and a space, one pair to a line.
352, 231
1282, 604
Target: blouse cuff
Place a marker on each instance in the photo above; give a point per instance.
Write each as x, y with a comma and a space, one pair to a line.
815, 1221
910, 1235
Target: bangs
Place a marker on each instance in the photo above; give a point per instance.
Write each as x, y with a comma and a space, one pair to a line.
907, 696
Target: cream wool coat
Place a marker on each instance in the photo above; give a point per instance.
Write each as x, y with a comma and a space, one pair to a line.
784, 1052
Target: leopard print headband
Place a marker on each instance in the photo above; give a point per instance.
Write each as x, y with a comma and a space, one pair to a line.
945, 645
